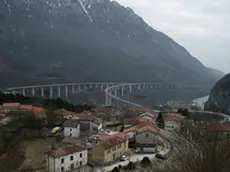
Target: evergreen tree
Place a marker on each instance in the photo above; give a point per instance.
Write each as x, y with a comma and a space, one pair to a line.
160, 121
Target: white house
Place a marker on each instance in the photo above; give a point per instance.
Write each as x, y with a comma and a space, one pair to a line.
66, 158
172, 125
173, 122
71, 128
146, 141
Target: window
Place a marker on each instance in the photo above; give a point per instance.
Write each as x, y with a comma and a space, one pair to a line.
62, 169
80, 163
71, 158
62, 160
72, 166
147, 135
70, 134
70, 129
80, 155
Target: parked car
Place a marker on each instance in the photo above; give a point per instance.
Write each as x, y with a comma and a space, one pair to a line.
160, 156
124, 158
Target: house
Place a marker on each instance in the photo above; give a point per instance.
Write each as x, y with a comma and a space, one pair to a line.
109, 149
66, 158
149, 116
26, 107
145, 140
217, 131
89, 124
131, 131
136, 110
8, 107
64, 113
96, 125
173, 122
71, 128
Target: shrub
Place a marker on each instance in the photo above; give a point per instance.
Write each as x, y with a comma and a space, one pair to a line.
116, 169
130, 166
145, 161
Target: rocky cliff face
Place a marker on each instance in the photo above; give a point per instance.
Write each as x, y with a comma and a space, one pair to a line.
50, 41
219, 99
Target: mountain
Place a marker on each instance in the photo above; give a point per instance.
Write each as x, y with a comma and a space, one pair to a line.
56, 41
219, 99
217, 73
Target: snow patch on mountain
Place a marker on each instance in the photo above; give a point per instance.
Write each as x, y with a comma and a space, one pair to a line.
84, 9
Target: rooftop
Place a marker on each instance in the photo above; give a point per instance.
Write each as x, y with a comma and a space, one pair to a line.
150, 126
140, 109
71, 123
218, 127
63, 151
109, 141
174, 117
11, 105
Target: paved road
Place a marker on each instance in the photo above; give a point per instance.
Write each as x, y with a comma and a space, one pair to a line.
133, 158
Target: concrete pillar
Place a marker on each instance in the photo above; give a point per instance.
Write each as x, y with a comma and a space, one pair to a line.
73, 89
51, 91
90, 86
13, 92
33, 91
102, 87
122, 91
23, 92
115, 91
79, 87
130, 88
59, 91
139, 86
96, 85
42, 92
66, 91
107, 101
85, 86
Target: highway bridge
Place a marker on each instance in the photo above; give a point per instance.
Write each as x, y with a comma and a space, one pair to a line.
113, 91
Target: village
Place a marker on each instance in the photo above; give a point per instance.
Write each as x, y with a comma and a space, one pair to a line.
106, 139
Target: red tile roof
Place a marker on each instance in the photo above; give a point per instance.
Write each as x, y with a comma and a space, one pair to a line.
64, 112
2, 115
140, 109
11, 105
26, 107
139, 127
63, 151
175, 117
112, 140
37, 110
218, 127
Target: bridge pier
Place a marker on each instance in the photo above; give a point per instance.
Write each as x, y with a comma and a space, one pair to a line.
139, 86
66, 91
73, 89
59, 91
130, 88
23, 92
51, 92
33, 91
42, 92
115, 91
122, 91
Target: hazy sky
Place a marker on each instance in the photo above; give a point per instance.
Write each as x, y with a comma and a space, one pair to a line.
201, 26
